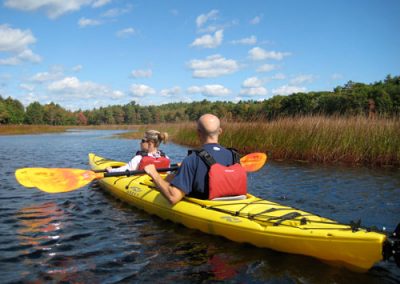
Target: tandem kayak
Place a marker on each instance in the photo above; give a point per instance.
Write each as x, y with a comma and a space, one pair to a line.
253, 220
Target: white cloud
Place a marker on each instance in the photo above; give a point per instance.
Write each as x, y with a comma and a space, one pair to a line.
278, 76
256, 20
124, 33
142, 73
24, 56
209, 41
254, 91
115, 12
15, 40
140, 90
72, 87
84, 22
174, 91
27, 87
28, 55
210, 90
257, 53
288, 90
42, 77
202, 19
77, 68
301, 79
265, 68
253, 87
252, 82
213, 66
100, 3
246, 41
53, 8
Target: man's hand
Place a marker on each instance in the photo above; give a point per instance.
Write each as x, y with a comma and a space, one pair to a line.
171, 193
151, 170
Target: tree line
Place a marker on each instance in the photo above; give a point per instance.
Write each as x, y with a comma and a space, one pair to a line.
381, 98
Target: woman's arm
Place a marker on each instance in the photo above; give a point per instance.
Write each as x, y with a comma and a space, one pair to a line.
131, 166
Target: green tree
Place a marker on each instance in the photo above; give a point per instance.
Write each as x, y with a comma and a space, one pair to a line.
34, 113
4, 115
16, 111
54, 114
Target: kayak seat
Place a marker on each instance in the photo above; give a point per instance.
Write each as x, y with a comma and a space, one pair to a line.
228, 198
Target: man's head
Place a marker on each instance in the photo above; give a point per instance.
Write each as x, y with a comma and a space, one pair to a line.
209, 126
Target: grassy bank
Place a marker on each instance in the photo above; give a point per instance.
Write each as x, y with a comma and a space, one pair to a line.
356, 140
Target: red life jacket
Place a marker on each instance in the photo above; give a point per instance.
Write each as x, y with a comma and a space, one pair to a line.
224, 180
160, 162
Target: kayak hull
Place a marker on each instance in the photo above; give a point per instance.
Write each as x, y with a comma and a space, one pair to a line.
256, 221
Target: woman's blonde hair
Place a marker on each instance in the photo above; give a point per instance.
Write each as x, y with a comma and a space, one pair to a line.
156, 136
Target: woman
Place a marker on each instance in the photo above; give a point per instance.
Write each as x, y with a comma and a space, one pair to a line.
148, 154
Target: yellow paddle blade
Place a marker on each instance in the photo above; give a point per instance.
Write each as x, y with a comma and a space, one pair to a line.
54, 180
253, 162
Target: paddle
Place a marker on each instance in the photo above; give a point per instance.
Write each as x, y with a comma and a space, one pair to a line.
253, 162
57, 180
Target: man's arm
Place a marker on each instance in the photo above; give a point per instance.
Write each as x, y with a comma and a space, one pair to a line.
170, 192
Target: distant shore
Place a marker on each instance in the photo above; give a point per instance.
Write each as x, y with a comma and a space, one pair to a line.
353, 140
22, 129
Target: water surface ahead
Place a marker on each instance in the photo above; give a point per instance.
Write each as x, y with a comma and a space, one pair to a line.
87, 236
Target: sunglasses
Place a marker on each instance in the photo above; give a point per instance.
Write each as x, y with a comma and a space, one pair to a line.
144, 141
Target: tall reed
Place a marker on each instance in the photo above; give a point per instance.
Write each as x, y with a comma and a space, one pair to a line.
355, 140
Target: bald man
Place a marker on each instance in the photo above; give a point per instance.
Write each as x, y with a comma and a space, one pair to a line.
192, 176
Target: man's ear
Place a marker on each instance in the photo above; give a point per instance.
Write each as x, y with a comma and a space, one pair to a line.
220, 131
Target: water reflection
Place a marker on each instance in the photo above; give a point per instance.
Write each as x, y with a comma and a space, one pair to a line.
40, 231
39, 224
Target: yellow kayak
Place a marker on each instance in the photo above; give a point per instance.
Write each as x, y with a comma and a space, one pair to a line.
253, 220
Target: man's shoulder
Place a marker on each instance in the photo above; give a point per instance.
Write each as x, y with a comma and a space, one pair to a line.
191, 157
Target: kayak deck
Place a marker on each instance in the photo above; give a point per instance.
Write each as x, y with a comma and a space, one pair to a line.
253, 220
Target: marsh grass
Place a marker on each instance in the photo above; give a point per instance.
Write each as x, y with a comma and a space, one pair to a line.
30, 129
351, 140
354, 140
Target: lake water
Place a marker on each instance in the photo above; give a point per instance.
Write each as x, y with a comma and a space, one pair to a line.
87, 236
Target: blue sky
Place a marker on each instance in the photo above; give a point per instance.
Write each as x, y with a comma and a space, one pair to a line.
84, 54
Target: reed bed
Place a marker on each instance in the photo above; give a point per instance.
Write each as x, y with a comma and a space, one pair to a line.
351, 140
354, 140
